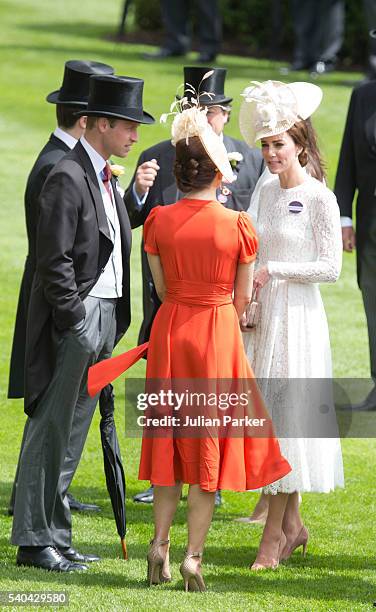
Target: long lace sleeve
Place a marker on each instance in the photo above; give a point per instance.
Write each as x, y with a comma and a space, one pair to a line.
326, 227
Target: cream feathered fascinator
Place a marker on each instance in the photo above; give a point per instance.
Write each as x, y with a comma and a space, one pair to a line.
190, 120
273, 107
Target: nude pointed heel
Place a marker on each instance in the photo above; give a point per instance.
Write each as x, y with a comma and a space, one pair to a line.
191, 573
158, 570
300, 540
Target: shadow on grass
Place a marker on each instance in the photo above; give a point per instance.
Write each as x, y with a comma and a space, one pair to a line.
81, 29
340, 577
137, 513
313, 579
110, 53
259, 69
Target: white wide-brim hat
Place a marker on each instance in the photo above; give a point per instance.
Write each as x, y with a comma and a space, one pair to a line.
273, 107
193, 122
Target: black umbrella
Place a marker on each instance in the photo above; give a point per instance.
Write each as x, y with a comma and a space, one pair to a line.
113, 467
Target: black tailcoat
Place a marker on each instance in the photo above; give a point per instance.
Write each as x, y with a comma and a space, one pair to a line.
165, 191
357, 164
51, 153
73, 247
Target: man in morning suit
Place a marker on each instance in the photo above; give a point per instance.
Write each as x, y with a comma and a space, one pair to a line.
159, 187
71, 98
79, 308
356, 172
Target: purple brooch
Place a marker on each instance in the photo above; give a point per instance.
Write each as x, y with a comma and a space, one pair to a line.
295, 207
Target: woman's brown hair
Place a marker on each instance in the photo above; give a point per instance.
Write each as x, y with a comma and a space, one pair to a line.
304, 135
193, 167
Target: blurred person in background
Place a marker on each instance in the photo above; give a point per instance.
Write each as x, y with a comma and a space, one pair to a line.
176, 20
370, 16
318, 34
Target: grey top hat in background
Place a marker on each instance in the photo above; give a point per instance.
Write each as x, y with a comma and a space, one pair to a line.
75, 87
213, 84
117, 96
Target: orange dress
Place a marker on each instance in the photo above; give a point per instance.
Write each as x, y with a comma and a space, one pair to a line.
196, 335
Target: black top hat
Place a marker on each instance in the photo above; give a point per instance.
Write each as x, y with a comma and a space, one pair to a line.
214, 84
75, 87
117, 96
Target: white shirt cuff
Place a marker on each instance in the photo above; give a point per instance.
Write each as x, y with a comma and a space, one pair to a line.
346, 222
139, 201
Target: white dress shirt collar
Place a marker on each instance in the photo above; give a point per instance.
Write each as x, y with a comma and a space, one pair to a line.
96, 159
69, 140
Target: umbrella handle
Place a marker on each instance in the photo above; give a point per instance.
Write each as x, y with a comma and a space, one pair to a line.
124, 549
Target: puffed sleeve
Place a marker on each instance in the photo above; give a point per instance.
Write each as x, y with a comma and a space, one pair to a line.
248, 242
150, 240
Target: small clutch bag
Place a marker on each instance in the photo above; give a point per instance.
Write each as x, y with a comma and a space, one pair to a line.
253, 311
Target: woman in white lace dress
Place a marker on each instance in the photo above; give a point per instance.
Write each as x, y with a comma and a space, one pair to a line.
298, 224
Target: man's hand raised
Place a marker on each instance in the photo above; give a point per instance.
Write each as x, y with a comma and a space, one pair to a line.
145, 177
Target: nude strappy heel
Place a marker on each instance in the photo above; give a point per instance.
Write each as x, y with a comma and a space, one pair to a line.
158, 570
191, 572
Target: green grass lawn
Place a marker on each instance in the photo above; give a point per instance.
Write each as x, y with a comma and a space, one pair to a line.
37, 37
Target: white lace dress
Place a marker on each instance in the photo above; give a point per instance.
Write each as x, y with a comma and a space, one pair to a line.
300, 242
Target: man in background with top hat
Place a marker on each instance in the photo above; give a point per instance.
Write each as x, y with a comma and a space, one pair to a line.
158, 186
79, 308
71, 98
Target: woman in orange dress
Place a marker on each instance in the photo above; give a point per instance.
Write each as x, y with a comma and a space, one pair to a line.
201, 257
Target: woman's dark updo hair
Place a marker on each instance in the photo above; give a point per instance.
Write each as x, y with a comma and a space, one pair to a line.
304, 136
193, 167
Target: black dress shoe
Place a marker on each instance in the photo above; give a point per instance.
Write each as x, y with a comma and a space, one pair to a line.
367, 405
48, 558
76, 557
145, 497
74, 504
162, 53
322, 67
206, 58
218, 498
